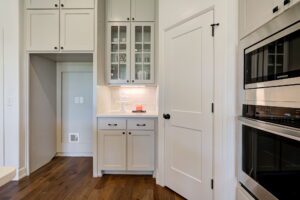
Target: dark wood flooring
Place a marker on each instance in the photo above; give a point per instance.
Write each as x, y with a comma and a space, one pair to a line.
71, 178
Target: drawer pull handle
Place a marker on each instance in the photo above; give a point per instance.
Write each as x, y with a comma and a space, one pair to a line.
112, 124
141, 125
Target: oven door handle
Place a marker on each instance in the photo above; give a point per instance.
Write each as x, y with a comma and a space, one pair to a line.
284, 131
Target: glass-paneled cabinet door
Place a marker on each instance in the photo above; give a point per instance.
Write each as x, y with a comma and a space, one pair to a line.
142, 52
118, 53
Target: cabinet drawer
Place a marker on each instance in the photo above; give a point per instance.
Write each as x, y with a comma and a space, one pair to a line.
140, 124
109, 123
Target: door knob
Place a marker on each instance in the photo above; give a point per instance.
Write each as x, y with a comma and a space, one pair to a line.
167, 116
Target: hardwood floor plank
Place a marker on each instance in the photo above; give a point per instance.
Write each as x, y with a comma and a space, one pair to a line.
71, 179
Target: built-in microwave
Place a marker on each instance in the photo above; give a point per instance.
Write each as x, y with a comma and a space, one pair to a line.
269, 166
274, 61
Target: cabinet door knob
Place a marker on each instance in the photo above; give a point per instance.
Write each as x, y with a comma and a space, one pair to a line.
275, 9
166, 116
55, 48
285, 2
132, 81
133, 19
56, 5
129, 133
123, 133
128, 18
127, 81
62, 5
61, 48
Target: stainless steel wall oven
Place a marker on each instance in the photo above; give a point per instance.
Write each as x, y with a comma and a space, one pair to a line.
270, 152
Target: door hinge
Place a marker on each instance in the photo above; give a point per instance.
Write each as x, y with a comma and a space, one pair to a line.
213, 26
212, 184
212, 107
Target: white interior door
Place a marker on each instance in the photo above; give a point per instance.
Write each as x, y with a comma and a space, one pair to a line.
189, 95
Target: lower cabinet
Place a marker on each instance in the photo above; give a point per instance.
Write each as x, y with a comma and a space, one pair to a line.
126, 145
140, 150
113, 150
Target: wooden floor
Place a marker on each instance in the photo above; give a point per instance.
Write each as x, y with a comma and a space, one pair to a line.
71, 178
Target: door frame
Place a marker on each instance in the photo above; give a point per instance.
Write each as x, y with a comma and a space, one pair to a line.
61, 68
224, 92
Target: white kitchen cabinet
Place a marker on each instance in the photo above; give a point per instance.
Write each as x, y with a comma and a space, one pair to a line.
143, 10
82, 4
130, 10
118, 10
140, 155
142, 52
112, 146
255, 13
43, 30
126, 145
42, 4
118, 53
77, 30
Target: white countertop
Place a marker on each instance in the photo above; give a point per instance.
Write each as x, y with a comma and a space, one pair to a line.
6, 175
128, 115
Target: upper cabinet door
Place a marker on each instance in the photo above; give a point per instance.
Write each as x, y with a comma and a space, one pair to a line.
118, 10
42, 4
142, 54
77, 30
77, 3
143, 10
118, 53
255, 13
43, 30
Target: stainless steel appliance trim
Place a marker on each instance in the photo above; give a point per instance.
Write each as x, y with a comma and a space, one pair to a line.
283, 82
284, 131
277, 36
259, 191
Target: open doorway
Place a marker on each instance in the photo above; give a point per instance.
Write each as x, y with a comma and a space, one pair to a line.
60, 107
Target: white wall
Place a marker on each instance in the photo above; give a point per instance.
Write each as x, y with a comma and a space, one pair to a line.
42, 111
1, 86
12, 63
226, 40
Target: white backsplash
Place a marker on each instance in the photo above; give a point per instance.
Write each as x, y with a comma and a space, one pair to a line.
131, 96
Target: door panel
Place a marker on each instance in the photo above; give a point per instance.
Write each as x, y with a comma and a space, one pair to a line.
77, 3
42, 4
143, 10
77, 30
189, 94
43, 30
118, 10
113, 150
140, 150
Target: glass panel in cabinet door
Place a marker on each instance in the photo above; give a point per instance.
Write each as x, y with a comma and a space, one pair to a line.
114, 58
138, 58
114, 72
146, 73
147, 34
123, 48
138, 48
139, 74
138, 34
147, 58
123, 34
147, 47
122, 72
114, 48
114, 34
123, 58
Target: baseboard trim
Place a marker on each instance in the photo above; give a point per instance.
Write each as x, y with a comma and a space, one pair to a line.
62, 154
128, 172
21, 173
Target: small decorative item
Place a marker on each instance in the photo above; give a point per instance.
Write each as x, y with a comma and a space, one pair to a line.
139, 109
